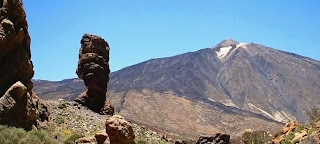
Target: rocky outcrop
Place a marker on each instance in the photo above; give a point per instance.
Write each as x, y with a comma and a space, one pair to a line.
294, 132
119, 130
93, 69
290, 127
19, 106
217, 139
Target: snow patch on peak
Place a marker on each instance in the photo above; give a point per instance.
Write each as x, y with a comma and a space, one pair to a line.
243, 45
222, 52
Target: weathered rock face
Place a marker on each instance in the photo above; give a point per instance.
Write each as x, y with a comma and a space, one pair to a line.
119, 130
217, 139
290, 127
93, 68
19, 106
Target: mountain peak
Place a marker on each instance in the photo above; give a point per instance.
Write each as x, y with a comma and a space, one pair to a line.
227, 42
225, 47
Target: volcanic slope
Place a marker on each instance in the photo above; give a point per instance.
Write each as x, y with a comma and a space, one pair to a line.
227, 88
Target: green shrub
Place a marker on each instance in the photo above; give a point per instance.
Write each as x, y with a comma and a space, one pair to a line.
256, 137
300, 128
62, 105
12, 135
72, 138
59, 120
285, 142
140, 141
310, 132
289, 137
39, 137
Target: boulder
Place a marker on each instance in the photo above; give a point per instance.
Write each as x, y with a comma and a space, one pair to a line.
101, 137
19, 105
93, 69
119, 130
86, 140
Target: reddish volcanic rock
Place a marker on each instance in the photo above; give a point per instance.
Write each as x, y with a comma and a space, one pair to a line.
101, 137
93, 69
19, 106
119, 130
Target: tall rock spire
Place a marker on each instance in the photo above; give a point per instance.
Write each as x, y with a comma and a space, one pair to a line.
93, 69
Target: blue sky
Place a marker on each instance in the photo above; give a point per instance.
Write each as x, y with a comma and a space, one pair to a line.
143, 29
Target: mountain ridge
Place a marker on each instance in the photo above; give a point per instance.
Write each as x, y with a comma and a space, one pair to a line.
246, 79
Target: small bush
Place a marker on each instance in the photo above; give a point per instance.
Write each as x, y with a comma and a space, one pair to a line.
256, 137
59, 120
310, 132
289, 137
285, 142
62, 105
11, 135
300, 128
72, 138
38, 137
139, 141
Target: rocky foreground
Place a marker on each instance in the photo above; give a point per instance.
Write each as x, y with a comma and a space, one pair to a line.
70, 118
